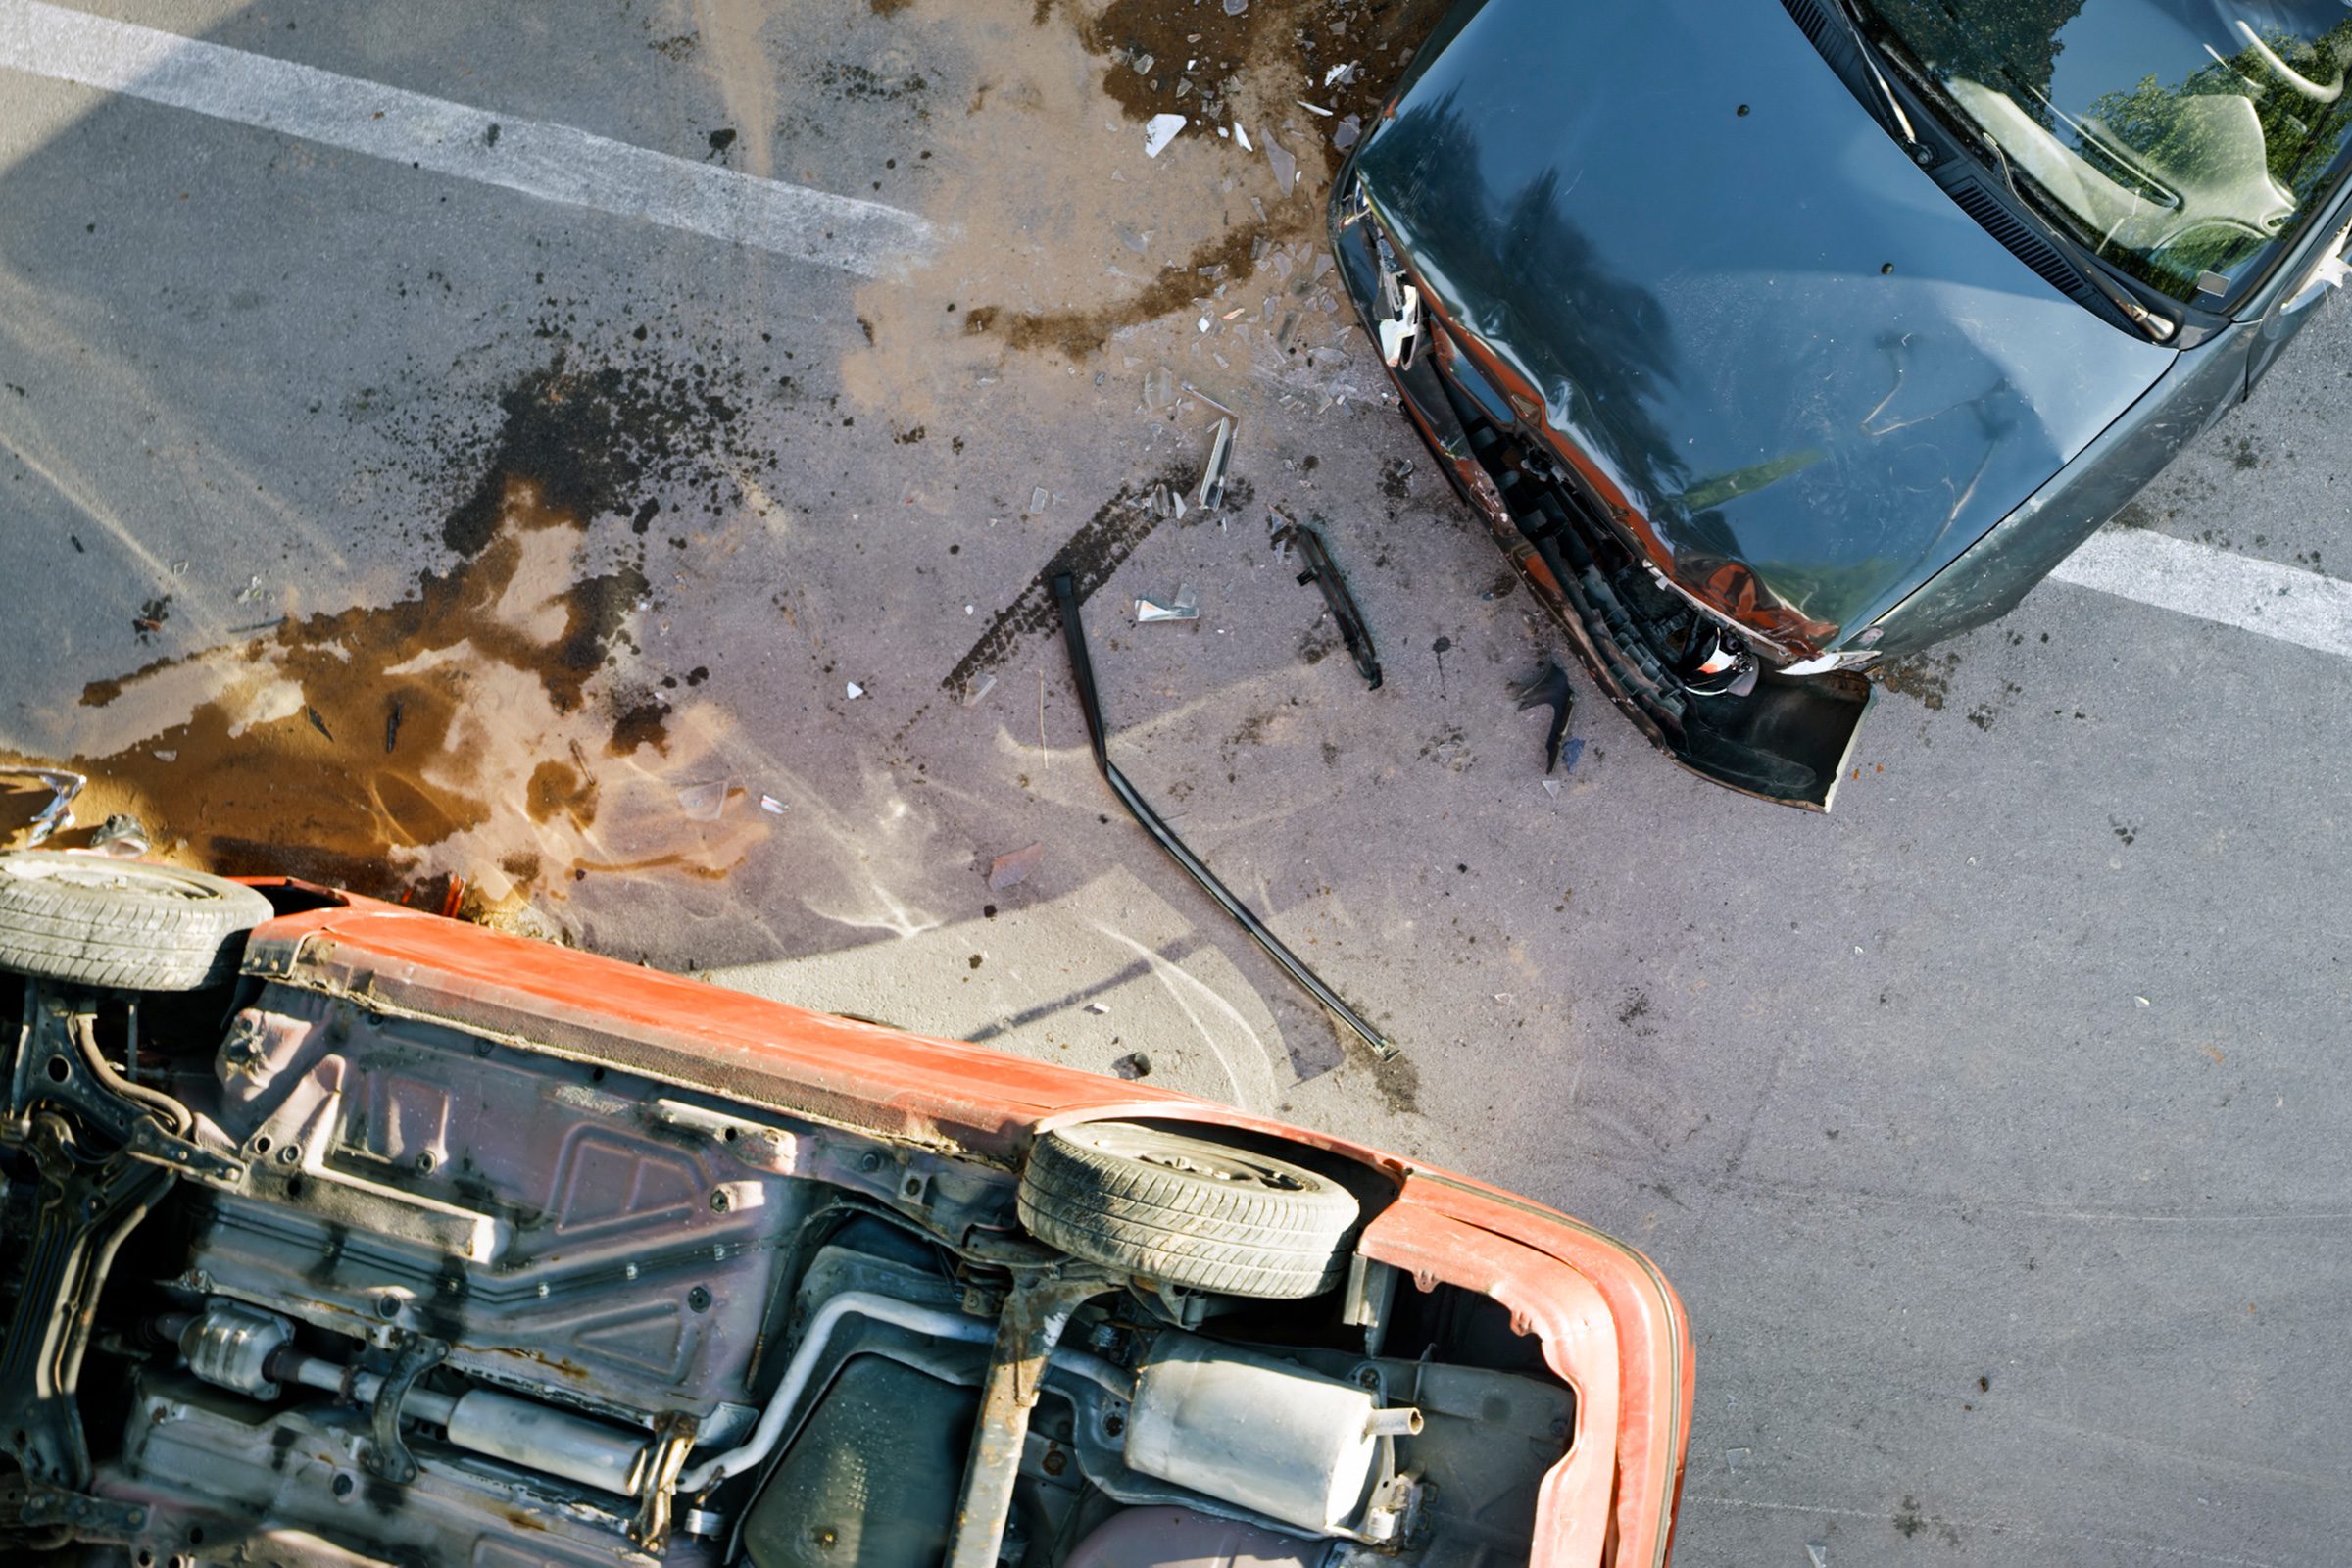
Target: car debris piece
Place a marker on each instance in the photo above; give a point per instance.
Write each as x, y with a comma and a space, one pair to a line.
1081, 671
122, 836
1212, 473
705, 802
771, 805
1012, 869
1186, 606
1320, 570
1286, 167
1550, 689
64, 784
1160, 131
856, 691
1205, 400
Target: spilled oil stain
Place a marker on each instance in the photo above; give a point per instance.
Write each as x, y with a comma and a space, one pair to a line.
475, 728
1231, 258
1178, 57
1926, 676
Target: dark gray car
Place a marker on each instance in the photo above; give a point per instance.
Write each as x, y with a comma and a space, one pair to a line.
1773, 341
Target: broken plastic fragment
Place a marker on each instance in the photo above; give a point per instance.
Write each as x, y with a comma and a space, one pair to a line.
1212, 473
705, 802
1338, 74
1160, 131
1012, 869
1241, 136
121, 835
1348, 133
771, 805
1097, 1007
1312, 108
64, 784
856, 691
1286, 167
1186, 606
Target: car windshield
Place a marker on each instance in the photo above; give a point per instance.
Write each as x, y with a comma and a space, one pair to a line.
2185, 142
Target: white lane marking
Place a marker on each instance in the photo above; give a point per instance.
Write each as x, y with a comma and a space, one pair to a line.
555, 163
2297, 607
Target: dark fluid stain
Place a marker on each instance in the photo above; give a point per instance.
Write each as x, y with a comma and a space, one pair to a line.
559, 789
1924, 676
151, 616
1162, 35
721, 139
274, 799
1231, 258
591, 441
1090, 555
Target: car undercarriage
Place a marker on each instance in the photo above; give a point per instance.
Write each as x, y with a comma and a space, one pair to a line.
301, 1277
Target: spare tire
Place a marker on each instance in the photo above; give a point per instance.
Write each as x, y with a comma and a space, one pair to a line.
129, 925
1187, 1212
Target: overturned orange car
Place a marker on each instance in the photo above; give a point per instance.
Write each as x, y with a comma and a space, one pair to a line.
341, 1233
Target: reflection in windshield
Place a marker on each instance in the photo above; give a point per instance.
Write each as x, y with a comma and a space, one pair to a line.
2183, 140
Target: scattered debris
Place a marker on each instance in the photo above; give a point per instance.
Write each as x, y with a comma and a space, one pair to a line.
705, 802
1161, 130
1339, 73
1212, 473
122, 836
856, 691
1324, 574
1733, 1459
1347, 133
1550, 689
1817, 1553
1234, 7
1314, 109
1135, 1064
1097, 1009
1081, 671
1160, 388
64, 784
771, 805
1243, 136
978, 689
1286, 167
1011, 869
1207, 401
1186, 606
1038, 498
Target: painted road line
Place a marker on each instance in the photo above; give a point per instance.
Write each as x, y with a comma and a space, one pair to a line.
554, 162
2297, 607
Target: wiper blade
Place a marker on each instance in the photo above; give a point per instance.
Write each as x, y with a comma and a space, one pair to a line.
1098, 735
1895, 119
2158, 328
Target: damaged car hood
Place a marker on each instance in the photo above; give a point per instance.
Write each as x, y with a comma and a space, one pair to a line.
1737, 300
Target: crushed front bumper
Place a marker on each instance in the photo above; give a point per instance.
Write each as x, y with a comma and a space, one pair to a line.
1788, 739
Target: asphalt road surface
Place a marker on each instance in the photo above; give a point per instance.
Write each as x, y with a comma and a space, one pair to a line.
608, 451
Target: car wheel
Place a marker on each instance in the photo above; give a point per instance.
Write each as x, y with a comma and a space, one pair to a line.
1187, 1212
127, 924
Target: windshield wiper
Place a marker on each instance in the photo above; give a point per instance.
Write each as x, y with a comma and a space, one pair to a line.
2158, 328
1867, 52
